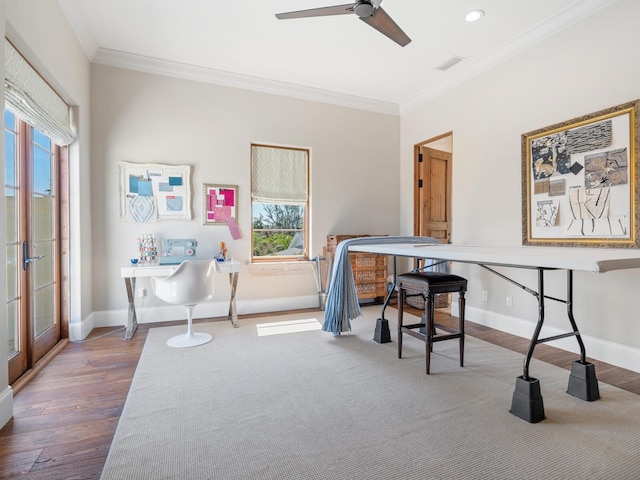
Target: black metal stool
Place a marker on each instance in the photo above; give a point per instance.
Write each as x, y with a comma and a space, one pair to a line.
429, 284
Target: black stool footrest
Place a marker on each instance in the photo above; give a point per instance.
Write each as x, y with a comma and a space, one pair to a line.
449, 336
414, 325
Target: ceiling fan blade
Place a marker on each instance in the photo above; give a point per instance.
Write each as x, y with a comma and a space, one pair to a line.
382, 22
318, 12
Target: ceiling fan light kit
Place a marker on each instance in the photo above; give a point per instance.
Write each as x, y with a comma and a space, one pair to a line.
369, 11
363, 9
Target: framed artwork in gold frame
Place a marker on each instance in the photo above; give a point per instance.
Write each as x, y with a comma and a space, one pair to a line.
580, 182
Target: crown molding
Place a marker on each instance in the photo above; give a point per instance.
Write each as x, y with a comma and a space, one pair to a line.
229, 79
571, 15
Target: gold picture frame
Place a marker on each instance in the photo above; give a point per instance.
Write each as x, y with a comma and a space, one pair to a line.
580, 185
219, 204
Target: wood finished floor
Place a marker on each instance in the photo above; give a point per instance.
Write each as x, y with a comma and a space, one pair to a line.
66, 416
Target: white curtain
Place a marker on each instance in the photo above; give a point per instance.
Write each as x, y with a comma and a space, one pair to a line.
279, 175
31, 98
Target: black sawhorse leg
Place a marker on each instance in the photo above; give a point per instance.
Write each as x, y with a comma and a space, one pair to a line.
382, 333
527, 400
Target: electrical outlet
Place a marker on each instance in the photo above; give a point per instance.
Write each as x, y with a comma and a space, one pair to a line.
142, 292
485, 296
509, 301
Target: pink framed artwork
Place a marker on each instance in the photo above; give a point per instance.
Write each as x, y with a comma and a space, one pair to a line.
219, 204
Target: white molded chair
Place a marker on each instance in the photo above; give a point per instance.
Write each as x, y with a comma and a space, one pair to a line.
190, 284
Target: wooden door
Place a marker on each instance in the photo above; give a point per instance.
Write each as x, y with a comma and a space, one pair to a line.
433, 194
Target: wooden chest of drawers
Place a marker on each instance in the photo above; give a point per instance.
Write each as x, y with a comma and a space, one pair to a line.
369, 270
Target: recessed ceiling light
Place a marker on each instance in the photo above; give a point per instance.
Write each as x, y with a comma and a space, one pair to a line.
474, 15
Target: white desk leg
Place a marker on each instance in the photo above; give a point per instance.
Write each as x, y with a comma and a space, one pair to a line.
233, 311
132, 321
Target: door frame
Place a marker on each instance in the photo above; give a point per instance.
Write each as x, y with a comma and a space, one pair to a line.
33, 356
417, 211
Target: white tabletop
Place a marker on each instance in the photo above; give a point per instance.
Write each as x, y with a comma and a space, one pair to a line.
228, 266
585, 259
155, 270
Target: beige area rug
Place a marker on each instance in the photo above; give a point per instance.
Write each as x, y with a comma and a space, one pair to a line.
308, 405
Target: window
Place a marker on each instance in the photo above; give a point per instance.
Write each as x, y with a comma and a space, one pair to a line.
279, 203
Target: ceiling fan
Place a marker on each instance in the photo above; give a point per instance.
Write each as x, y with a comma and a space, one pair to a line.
369, 11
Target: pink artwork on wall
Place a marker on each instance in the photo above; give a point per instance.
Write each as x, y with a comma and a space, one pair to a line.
233, 228
220, 202
229, 196
222, 213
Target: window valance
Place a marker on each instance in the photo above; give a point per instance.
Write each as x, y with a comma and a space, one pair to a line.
30, 97
279, 175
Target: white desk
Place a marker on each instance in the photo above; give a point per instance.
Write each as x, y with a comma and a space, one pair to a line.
527, 401
132, 272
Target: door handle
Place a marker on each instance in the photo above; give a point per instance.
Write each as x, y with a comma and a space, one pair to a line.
26, 258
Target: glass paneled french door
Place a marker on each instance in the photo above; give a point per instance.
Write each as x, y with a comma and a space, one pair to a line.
33, 248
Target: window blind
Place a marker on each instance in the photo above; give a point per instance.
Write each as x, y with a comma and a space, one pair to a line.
279, 175
30, 97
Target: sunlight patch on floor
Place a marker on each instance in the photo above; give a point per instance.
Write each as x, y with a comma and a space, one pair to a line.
289, 326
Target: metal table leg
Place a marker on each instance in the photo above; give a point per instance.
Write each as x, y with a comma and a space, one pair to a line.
582, 381
233, 310
527, 400
132, 320
382, 334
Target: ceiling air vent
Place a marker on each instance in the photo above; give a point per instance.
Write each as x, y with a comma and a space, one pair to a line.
449, 63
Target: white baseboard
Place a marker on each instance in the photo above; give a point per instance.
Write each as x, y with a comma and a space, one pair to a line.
80, 330
613, 353
116, 318
6, 406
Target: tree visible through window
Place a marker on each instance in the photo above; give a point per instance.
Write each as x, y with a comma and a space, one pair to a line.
279, 191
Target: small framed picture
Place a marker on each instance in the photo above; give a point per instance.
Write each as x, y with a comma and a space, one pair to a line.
219, 203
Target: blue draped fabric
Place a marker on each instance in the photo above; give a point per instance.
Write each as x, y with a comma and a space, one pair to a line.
342, 301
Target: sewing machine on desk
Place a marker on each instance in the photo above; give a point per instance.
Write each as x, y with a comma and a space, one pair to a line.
177, 250
132, 272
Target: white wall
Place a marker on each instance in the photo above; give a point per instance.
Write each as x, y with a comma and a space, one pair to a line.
40, 32
146, 118
583, 69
